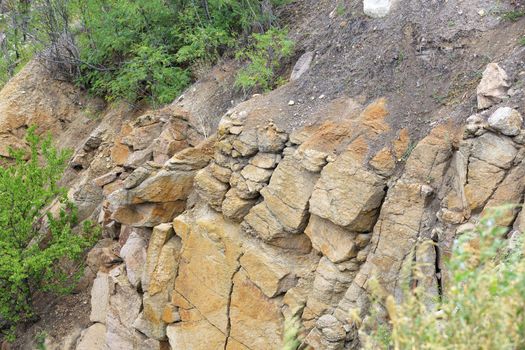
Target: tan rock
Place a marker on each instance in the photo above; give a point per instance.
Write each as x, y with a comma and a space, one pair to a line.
141, 137
100, 293
383, 162
163, 275
134, 255
266, 160
209, 260
148, 214
235, 207
508, 192
268, 270
347, 194
92, 338
256, 174
495, 150
256, 321
245, 189
124, 307
287, 196
270, 139
165, 186
481, 182
401, 144
160, 235
335, 242
221, 173
197, 335
192, 158
210, 189
493, 86
170, 314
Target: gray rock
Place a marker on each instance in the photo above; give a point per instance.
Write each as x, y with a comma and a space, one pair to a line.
506, 120
302, 65
100, 298
134, 255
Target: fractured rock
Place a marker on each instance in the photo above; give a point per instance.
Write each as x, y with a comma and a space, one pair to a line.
348, 194
235, 207
210, 189
100, 298
335, 242
134, 255
160, 235
256, 320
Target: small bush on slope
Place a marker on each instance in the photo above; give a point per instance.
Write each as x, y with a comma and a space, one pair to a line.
34, 245
265, 55
483, 305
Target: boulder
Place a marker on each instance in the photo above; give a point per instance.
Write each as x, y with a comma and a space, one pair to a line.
235, 207
495, 150
302, 65
506, 120
268, 270
210, 189
377, 8
493, 86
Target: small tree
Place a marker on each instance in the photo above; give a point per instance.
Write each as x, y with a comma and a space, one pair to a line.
34, 244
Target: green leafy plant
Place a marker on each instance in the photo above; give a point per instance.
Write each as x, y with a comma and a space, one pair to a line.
482, 306
513, 15
36, 230
265, 56
124, 49
292, 327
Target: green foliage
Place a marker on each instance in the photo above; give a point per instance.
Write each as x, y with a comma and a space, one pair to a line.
265, 56
132, 50
34, 243
513, 16
482, 306
292, 327
137, 49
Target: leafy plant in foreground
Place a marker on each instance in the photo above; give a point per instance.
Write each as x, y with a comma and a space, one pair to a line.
483, 304
35, 244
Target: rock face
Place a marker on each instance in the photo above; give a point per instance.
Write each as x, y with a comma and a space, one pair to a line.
213, 242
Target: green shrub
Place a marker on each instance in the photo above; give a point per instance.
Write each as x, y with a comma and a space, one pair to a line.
133, 50
145, 49
482, 307
265, 56
35, 245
